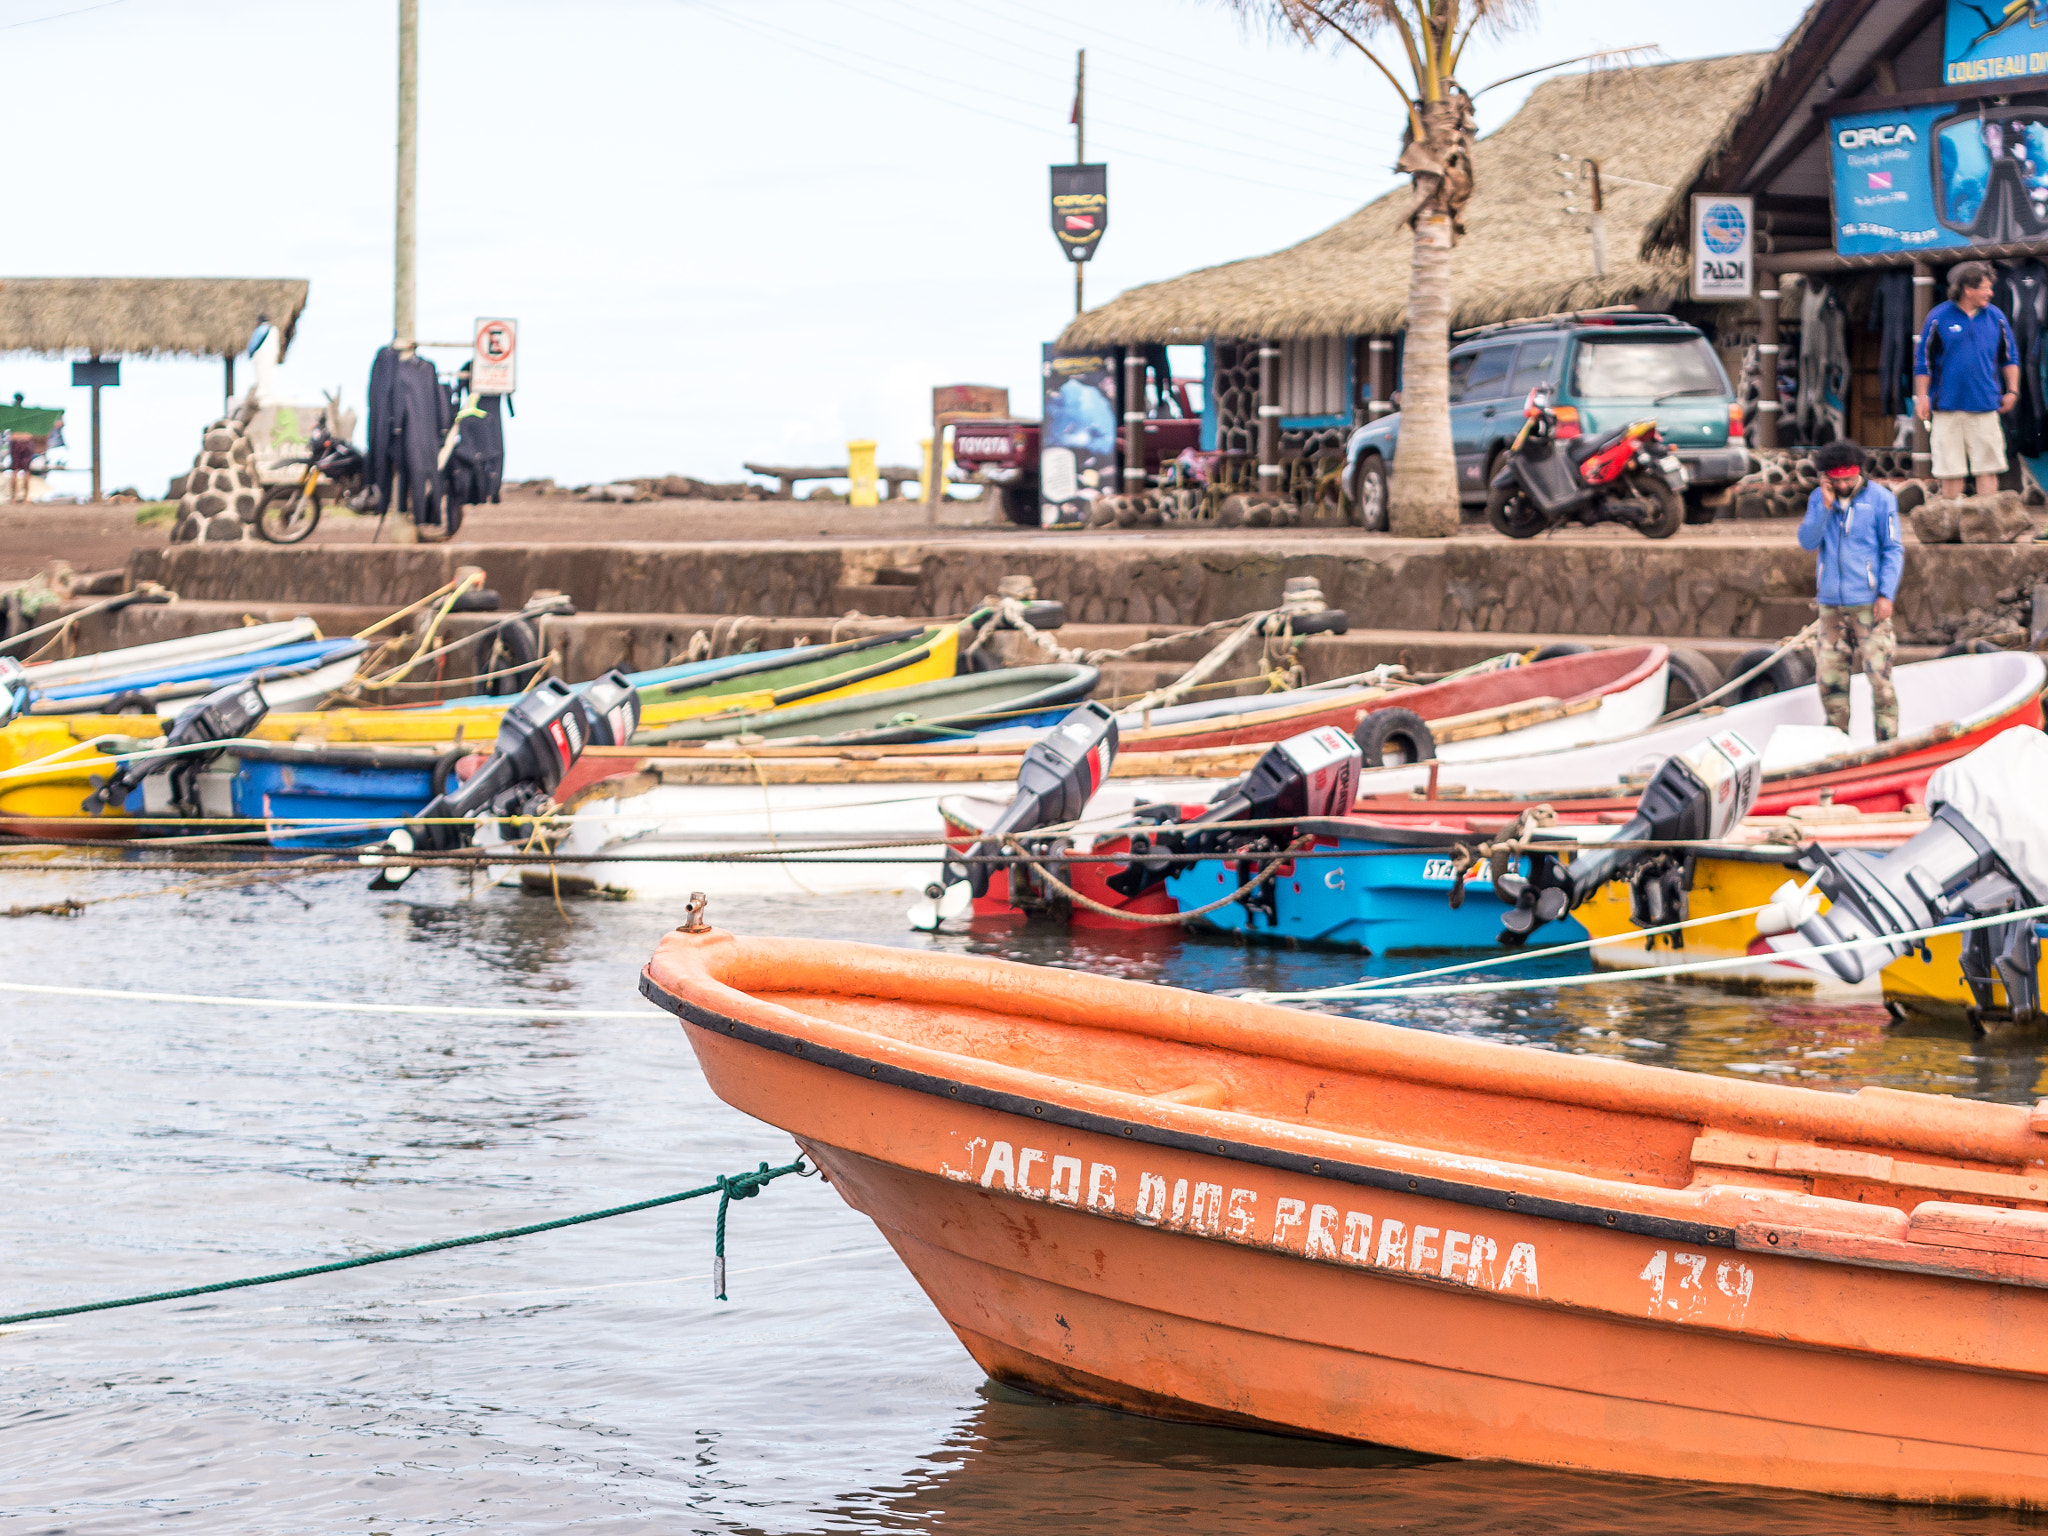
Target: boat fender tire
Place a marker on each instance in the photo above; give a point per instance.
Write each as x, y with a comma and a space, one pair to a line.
1974, 648
1331, 621
444, 766
1042, 613
1391, 736
476, 600
514, 645
1909, 496
1790, 671
1692, 677
1559, 648
983, 660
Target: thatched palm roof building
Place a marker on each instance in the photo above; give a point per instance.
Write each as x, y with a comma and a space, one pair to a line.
1523, 253
145, 316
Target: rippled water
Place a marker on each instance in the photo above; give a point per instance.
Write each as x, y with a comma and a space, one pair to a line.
586, 1380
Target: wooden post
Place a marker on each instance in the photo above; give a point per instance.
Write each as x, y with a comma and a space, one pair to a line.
1767, 362
935, 477
1080, 143
1379, 401
228, 363
1923, 306
1269, 417
96, 429
403, 327
1134, 421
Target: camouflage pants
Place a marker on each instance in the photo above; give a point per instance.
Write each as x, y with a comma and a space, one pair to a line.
1851, 638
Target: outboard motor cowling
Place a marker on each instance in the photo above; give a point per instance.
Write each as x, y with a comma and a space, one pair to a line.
1695, 796
225, 715
539, 737
1313, 774
1983, 853
1060, 774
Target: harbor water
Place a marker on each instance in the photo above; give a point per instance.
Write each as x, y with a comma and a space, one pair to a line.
586, 1380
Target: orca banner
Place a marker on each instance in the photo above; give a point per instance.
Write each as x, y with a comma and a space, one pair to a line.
1080, 208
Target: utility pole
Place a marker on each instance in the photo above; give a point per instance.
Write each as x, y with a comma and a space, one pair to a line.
1596, 221
402, 325
1080, 143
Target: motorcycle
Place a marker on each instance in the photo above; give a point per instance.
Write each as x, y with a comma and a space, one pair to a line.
1547, 478
290, 513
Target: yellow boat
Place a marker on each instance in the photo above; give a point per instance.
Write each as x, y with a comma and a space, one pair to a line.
47, 770
1925, 984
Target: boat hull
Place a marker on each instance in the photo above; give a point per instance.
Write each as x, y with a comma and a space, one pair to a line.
1155, 1264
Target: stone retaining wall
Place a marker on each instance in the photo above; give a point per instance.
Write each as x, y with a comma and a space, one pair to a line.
1720, 589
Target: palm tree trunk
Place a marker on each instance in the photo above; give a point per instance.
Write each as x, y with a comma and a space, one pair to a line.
1423, 496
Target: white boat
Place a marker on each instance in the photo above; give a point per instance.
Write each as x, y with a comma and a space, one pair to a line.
167, 653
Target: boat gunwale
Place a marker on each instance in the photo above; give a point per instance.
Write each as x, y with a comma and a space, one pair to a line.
1813, 1222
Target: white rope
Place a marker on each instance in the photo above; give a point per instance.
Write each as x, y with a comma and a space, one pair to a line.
1647, 973
646, 1015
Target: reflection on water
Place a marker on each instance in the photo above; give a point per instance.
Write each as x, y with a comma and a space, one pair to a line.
586, 1380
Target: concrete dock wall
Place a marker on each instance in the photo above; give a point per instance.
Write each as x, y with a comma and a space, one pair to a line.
1722, 589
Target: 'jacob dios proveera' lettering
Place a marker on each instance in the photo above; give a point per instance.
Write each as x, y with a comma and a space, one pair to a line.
1234, 1214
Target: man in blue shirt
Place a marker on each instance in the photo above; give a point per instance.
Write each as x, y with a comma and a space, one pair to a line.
1855, 526
1965, 354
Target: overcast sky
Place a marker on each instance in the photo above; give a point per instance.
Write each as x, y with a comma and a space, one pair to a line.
729, 229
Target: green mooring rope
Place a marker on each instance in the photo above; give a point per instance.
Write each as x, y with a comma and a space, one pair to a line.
728, 1187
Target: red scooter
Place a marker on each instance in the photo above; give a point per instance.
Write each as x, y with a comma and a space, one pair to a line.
1627, 476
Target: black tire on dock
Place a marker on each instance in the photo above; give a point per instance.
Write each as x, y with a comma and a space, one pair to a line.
1790, 671
513, 646
1391, 736
1559, 648
1973, 648
1910, 495
1692, 677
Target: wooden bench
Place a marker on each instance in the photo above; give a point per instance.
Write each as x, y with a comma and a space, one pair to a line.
892, 476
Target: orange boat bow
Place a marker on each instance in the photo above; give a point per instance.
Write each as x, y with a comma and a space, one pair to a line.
1207, 1209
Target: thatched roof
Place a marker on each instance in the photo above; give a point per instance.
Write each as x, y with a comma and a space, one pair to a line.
145, 316
1522, 253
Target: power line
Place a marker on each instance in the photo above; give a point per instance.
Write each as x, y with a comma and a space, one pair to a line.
925, 87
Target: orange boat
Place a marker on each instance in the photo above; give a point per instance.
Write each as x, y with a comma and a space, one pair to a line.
1209, 1209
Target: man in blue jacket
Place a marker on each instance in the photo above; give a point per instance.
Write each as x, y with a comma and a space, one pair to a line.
1966, 370
1855, 526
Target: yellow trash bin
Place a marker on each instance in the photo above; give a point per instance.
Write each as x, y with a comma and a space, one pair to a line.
860, 468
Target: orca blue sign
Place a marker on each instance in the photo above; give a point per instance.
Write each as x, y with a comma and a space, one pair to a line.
1990, 42
1929, 178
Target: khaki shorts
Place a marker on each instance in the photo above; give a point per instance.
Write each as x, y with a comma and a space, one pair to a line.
1968, 443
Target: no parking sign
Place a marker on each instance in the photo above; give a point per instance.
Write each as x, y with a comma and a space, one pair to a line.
494, 368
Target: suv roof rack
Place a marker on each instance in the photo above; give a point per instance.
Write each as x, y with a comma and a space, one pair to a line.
1613, 314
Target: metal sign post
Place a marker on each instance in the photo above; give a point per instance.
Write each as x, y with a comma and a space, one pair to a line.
99, 375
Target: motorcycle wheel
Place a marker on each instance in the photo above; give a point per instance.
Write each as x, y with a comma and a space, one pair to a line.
1511, 512
287, 515
1669, 514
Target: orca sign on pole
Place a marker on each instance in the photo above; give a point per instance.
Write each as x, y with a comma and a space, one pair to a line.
495, 367
1080, 208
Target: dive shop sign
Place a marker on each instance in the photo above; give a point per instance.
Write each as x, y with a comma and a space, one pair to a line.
1080, 208
1723, 246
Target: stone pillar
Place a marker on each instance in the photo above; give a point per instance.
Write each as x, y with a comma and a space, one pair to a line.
221, 493
1767, 363
1380, 375
1269, 417
1134, 421
1923, 306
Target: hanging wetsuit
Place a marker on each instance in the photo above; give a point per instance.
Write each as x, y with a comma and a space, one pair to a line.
409, 412
476, 468
2022, 292
1891, 317
1823, 366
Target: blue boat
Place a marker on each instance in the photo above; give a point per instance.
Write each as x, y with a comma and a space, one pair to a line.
361, 790
1386, 891
144, 689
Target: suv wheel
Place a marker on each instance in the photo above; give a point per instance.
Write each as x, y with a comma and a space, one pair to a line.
1369, 494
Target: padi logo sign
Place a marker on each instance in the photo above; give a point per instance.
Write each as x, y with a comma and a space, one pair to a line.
1880, 135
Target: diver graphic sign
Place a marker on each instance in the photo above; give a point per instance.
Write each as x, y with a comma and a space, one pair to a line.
1986, 42
1925, 178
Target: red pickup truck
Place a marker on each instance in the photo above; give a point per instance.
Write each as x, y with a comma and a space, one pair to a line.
1005, 455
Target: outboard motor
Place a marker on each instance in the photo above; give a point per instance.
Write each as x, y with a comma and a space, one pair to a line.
13, 690
1696, 795
1984, 852
539, 737
1061, 773
1313, 774
221, 717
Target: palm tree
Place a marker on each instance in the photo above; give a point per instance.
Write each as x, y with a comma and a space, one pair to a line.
1436, 152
